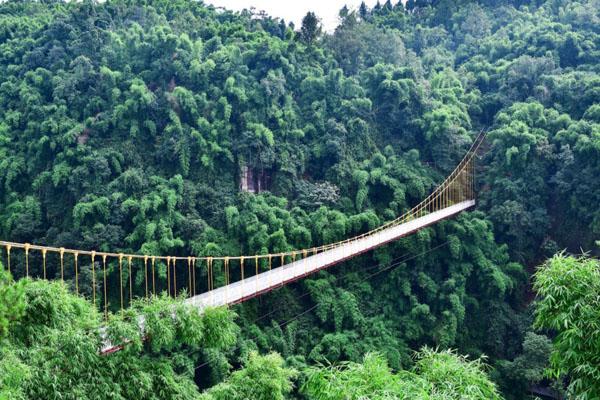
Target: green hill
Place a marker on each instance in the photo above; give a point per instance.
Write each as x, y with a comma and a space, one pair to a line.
170, 127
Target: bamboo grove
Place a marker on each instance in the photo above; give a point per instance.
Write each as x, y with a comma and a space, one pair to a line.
174, 138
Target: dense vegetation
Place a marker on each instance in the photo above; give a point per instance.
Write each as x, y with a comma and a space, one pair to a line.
51, 349
127, 126
568, 290
51, 352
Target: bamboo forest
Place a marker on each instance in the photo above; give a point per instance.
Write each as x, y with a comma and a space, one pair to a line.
204, 203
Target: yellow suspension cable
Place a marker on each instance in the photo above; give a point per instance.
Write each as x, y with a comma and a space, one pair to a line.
75, 257
470, 183
190, 276
460, 187
94, 279
465, 183
256, 272
169, 276
455, 190
209, 273
474, 172
174, 278
242, 266
305, 257
153, 277
27, 245
130, 281
146, 275
270, 267
44, 262
226, 279
105, 287
62, 264
473, 178
193, 276
121, 279
443, 197
473, 181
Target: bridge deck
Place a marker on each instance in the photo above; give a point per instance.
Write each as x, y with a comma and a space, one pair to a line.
266, 281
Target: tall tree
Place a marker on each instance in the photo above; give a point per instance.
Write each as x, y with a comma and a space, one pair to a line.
363, 11
311, 28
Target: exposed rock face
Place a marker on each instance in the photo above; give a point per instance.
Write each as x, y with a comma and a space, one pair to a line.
253, 180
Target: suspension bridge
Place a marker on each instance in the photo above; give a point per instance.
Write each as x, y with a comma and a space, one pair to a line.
224, 280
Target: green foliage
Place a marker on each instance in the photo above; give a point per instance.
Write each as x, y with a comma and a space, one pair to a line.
436, 375
358, 45
311, 28
13, 375
567, 304
529, 367
261, 378
453, 376
61, 332
219, 329
12, 304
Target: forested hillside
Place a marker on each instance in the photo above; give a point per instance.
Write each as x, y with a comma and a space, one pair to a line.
170, 127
